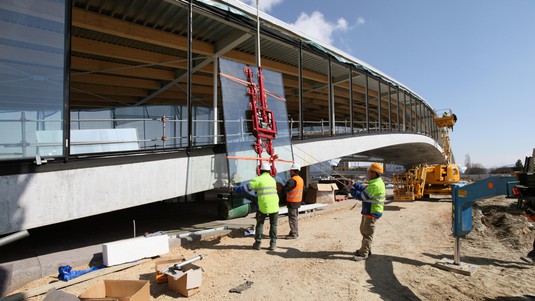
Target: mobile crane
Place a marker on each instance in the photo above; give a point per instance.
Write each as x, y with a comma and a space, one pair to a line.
423, 180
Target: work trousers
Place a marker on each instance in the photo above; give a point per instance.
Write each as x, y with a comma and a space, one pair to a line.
293, 215
273, 220
532, 252
367, 228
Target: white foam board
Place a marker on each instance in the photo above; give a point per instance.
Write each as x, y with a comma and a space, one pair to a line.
284, 210
133, 249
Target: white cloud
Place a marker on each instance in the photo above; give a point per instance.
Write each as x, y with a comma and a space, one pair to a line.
316, 26
263, 5
360, 21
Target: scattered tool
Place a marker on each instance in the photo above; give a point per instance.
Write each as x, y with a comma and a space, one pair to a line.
172, 269
240, 288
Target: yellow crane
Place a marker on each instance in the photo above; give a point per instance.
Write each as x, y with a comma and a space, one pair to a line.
423, 180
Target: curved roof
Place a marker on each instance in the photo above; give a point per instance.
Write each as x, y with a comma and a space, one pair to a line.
293, 31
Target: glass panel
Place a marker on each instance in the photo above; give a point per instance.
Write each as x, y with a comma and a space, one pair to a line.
243, 160
94, 119
291, 88
32, 39
419, 113
202, 89
315, 95
385, 102
359, 102
161, 126
394, 114
292, 102
412, 113
136, 128
138, 85
373, 104
203, 127
340, 78
406, 112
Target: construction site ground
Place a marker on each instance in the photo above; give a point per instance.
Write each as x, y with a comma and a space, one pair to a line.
410, 238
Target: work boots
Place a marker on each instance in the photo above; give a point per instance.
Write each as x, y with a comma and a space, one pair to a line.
528, 259
359, 257
272, 245
256, 246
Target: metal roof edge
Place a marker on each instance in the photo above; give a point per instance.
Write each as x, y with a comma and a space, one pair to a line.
288, 28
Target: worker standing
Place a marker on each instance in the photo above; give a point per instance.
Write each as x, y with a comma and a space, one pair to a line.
529, 208
373, 198
294, 196
268, 204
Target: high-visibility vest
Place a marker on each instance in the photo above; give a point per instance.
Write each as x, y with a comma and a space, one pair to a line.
296, 194
373, 198
266, 191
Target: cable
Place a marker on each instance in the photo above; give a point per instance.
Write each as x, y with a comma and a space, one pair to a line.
321, 163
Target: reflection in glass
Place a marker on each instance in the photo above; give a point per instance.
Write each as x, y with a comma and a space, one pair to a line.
31, 76
243, 160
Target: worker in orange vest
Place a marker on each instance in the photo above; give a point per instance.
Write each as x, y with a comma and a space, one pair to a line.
294, 196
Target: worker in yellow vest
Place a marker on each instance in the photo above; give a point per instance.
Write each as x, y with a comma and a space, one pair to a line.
294, 196
373, 198
268, 204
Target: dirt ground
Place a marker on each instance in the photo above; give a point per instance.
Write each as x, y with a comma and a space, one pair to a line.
410, 238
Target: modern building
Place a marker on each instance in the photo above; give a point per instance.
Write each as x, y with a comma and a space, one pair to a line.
108, 104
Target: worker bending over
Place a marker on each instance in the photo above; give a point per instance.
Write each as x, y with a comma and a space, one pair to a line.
268, 204
373, 198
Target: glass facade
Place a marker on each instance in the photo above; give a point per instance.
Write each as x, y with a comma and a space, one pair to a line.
141, 90
32, 55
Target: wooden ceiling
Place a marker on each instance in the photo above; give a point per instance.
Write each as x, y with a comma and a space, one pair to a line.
120, 60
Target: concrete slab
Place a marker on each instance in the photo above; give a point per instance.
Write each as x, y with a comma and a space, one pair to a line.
461, 268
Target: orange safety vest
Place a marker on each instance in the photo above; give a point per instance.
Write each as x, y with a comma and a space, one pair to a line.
296, 195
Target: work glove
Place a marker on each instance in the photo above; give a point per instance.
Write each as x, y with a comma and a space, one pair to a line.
238, 189
359, 187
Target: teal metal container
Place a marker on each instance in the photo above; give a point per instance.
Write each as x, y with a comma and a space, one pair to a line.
234, 208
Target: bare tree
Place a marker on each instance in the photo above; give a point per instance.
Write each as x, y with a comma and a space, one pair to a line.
467, 161
476, 168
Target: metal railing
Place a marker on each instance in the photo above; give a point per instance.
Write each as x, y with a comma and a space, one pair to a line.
173, 133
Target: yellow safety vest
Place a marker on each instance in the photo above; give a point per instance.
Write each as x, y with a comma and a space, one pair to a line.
266, 191
296, 195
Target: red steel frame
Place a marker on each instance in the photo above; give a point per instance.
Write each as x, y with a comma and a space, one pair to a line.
264, 125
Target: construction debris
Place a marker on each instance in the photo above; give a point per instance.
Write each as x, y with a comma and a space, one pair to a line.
240, 288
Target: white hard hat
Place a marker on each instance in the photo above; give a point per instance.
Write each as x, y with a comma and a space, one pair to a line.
265, 166
295, 167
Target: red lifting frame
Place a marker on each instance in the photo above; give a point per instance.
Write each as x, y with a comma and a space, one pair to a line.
264, 126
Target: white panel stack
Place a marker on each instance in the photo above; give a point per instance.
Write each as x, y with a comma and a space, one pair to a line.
133, 249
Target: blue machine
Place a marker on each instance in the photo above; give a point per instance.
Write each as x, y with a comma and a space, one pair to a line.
464, 197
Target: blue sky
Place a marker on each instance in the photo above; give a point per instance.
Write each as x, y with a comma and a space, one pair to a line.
474, 57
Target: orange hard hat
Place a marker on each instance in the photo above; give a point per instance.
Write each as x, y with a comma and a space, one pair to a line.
377, 167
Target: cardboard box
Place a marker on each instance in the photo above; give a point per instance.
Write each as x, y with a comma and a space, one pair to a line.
321, 193
186, 282
120, 290
164, 263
